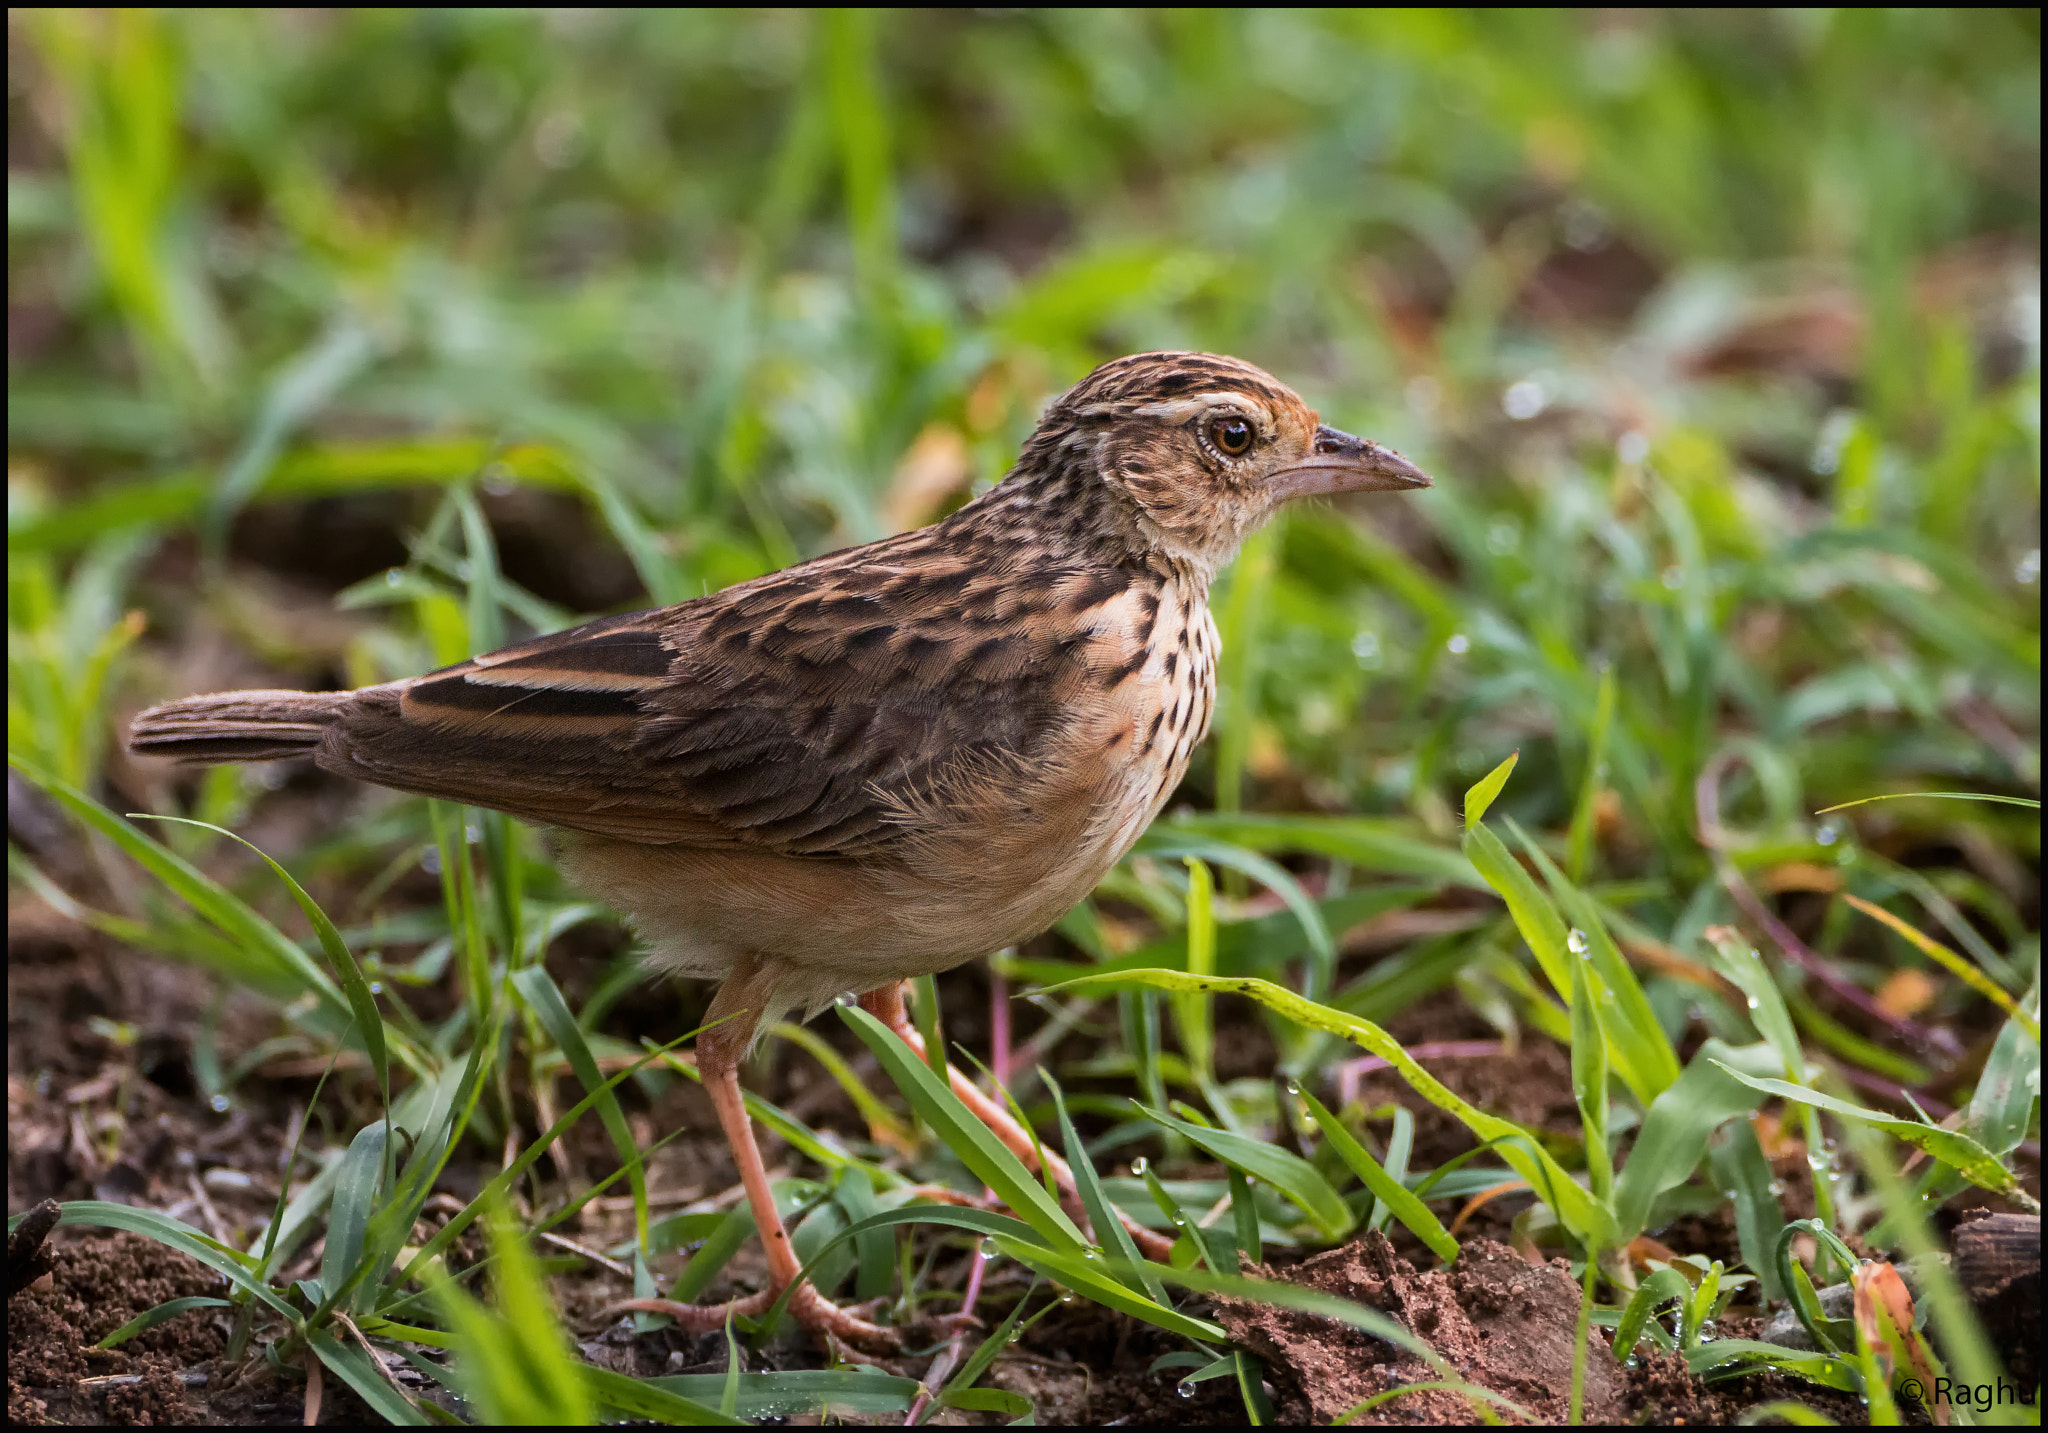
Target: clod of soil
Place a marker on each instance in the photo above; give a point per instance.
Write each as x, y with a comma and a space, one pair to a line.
1505, 1324
55, 1375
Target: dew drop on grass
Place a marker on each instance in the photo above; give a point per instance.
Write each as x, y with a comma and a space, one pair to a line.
1755, 1004
1293, 1087
1185, 1389
220, 1104
1777, 1186
1139, 1166
1829, 832
988, 1249
1067, 1296
1577, 943
844, 1000
392, 577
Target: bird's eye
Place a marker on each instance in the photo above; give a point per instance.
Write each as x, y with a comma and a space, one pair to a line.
1232, 435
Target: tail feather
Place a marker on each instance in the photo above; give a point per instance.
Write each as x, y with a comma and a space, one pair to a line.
237, 726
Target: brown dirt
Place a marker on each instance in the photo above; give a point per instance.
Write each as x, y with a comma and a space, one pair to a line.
1505, 1324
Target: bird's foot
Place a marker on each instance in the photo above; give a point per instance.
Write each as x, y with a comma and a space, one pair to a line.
807, 1306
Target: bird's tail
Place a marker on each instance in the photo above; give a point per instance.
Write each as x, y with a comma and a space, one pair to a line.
237, 726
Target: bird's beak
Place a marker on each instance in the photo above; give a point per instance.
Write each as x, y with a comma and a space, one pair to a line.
1344, 464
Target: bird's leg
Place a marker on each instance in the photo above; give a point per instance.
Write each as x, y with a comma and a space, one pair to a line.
738, 1006
886, 1005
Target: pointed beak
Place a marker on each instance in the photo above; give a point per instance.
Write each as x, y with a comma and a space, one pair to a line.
1344, 464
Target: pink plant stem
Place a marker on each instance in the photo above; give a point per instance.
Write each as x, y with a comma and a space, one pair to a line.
1352, 1073
942, 1366
999, 1028
1707, 809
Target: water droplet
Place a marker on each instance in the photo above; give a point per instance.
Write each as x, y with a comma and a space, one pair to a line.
1185, 1389
1728, 1194
845, 1000
2027, 570
1366, 647
1067, 1296
1293, 1087
1139, 1166
1777, 1186
393, 576
376, 987
1577, 943
1755, 1004
988, 1249
1459, 644
1524, 400
220, 1104
1828, 832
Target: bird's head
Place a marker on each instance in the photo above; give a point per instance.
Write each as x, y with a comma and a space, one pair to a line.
1206, 448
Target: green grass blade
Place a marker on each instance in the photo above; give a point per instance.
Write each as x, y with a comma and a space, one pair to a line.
968, 1138
544, 998
287, 968
1661, 1287
1098, 1281
342, 1267
1292, 1175
1483, 791
162, 1313
1110, 1233
1951, 1147
1673, 1138
1576, 1209
1739, 1165
1191, 1011
1640, 1049
1534, 915
1399, 1202
231, 1264
1579, 839
348, 1362
2026, 801
1732, 1357
649, 1400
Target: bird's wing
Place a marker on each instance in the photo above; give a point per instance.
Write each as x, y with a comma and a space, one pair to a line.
803, 713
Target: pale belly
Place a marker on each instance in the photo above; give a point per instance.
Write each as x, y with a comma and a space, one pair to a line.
995, 859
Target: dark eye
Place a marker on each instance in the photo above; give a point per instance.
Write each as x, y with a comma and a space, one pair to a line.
1232, 435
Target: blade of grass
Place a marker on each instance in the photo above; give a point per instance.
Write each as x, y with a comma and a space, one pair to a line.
971, 1140
1576, 1208
1954, 964
1398, 1201
1292, 1175
544, 998
1951, 1147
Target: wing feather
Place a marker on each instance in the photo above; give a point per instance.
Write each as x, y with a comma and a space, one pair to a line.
802, 713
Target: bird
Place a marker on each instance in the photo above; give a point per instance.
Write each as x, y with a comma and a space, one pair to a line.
877, 764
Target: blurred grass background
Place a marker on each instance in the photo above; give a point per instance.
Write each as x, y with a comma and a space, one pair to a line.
1720, 331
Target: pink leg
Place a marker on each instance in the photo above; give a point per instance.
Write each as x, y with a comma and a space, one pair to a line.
719, 1052
886, 1005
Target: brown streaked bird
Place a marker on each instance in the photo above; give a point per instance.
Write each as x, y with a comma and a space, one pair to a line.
877, 764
